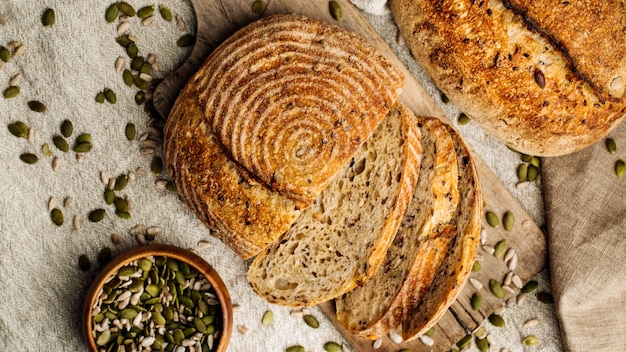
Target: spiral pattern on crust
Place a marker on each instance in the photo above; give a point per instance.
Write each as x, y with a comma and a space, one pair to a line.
292, 99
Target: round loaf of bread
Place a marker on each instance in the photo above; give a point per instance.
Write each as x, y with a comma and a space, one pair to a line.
546, 77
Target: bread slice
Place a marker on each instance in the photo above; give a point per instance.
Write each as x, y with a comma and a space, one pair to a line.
425, 310
341, 240
372, 310
511, 78
293, 98
242, 212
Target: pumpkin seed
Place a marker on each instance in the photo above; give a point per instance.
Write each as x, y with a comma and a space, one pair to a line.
522, 172
482, 344
165, 12
296, 348
268, 318
5, 54
109, 95
530, 286
430, 332
122, 214
476, 267
311, 321
45, 149
156, 166
620, 167
508, 220
56, 215
145, 12
83, 262
476, 301
67, 128
332, 346
170, 186
132, 50
60, 143
258, 6
545, 297
123, 40
335, 10
100, 98
97, 215
127, 76
492, 219
140, 97
18, 129
120, 182
611, 146
126, 9
530, 340
500, 248
185, 41
29, 158
130, 131
83, 147
120, 204
12, 92
496, 288
111, 13
104, 256
136, 63
48, 18
109, 196
533, 171
145, 68
444, 98
464, 341
463, 119
496, 320
536, 162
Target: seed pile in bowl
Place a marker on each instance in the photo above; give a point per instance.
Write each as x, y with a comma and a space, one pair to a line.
157, 304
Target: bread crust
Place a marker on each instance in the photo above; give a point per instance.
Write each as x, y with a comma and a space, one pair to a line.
293, 98
518, 85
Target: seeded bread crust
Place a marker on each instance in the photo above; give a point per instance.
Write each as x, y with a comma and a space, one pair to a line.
341, 240
412, 261
457, 263
515, 82
293, 98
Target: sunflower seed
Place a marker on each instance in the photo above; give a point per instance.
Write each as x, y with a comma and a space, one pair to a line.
19, 51
31, 136
48, 18
76, 222
377, 344
155, 67
508, 278
141, 239
133, 38
427, 340
119, 64
15, 80
146, 77
180, 23
513, 262
517, 281
3, 20
147, 21
476, 283
123, 28
531, 323
483, 236
56, 163
509, 254
146, 151
488, 249
52, 203
242, 329
522, 185
104, 178
500, 310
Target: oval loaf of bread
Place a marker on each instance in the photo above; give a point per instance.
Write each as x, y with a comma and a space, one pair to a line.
266, 122
546, 77
422, 240
341, 239
293, 98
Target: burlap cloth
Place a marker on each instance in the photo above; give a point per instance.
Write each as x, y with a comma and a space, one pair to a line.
65, 66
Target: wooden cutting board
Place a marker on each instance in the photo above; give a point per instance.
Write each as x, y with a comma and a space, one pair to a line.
218, 19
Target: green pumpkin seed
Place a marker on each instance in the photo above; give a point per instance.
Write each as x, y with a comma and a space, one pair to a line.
258, 6
111, 13
56, 215
496, 288
130, 131
123, 40
127, 76
533, 171
492, 219
165, 12
83, 147
500, 248
12, 92
109, 95
530, 286
60, 143
132, 50
620, 167
611, 146
18, 129
268, 318
144, 264
109, 196
430, 332
526, 158
145, 12
464, 341
140, 83
120, 204
83, 138
332, 346
296, 348
120, 182
170, 186
48, 18
156, 166
464, 119
545, 297
45, 149
104, 255
67, 128
522, 172
126, 9
5, 54
145, 68
335, 10
128, 313
100, 98
127, 270
97, 215
140, 97
136, 63
530, 341
477, 301
103, 338
83, 262
508, 220
482, 344
477, 267
29, 158
496, 320
444, 98
122, 214
311, 321
536, 162
185, 41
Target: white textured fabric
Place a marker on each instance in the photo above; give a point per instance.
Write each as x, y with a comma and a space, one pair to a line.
65, 67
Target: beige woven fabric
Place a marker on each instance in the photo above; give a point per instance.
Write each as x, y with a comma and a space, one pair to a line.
586, 218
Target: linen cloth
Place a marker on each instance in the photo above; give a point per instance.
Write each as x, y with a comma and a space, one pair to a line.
65, 66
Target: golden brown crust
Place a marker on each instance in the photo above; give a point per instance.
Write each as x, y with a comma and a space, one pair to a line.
513, 81
293, 98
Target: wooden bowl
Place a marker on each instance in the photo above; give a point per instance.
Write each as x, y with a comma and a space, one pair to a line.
182, 255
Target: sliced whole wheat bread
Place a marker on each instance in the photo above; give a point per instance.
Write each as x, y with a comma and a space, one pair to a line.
419, 246
341, 240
